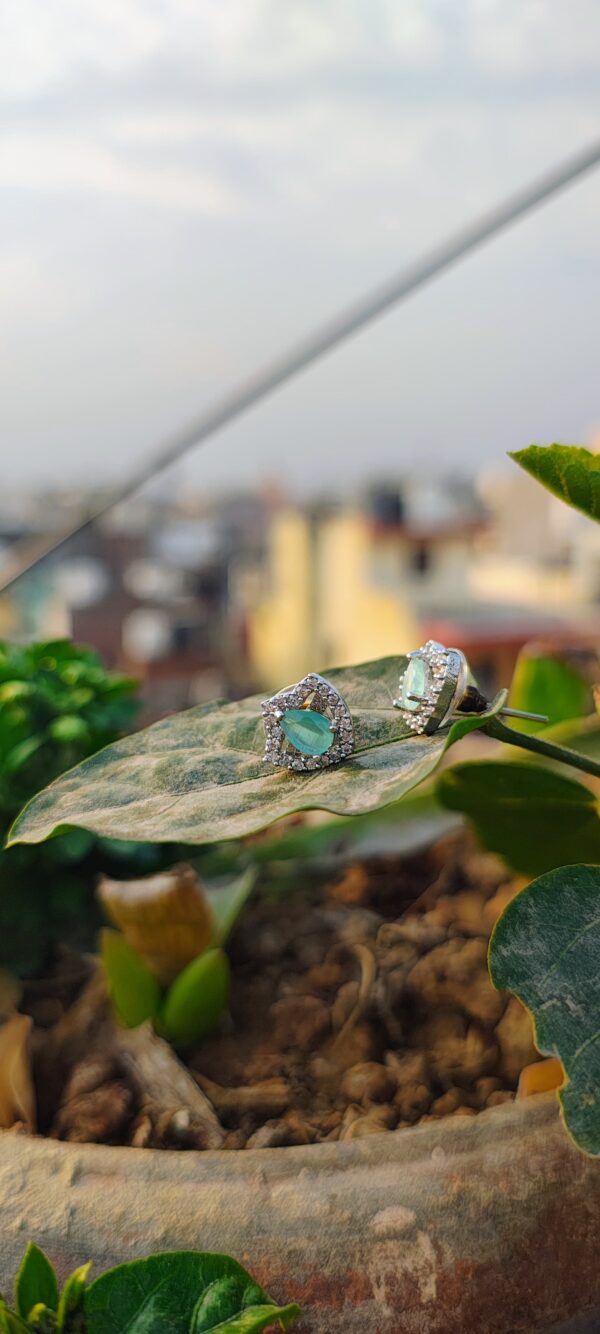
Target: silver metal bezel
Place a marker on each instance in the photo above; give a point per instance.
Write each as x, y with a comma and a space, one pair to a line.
326, 700
448, 677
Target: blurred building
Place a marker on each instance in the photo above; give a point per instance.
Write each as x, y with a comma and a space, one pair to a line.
202, 599
485, 570
153, 589
345, 584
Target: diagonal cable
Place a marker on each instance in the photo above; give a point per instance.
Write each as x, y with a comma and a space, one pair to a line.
327, 337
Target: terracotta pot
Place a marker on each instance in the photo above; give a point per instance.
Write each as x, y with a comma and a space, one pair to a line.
486, 1225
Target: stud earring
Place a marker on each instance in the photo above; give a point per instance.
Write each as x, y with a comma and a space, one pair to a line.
434, 687
307, 726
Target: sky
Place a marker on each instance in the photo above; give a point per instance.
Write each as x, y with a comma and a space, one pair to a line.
186, 186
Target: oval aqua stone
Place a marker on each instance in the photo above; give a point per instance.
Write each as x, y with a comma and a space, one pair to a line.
416, 680
307, 731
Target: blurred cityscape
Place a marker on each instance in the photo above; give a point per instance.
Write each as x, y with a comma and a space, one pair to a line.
217, 598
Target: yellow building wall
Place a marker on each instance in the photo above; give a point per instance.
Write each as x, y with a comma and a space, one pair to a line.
358, 620
278, 628
321, 609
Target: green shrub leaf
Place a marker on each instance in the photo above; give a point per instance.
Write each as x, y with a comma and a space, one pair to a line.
69, 728
196, 999
20, 754
569, 472
534, 817
199, 777
550, 685
133, 988
545, 948
252, 1319
42, 1319
35, 1282
181, 1293
57, 705
12, 690
11, 1323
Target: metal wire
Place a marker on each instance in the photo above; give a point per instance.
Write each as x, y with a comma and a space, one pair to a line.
327, 337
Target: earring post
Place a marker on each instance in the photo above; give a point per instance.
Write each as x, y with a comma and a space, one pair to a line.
509, 713
520, 713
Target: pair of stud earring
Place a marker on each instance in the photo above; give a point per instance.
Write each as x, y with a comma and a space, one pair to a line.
308, 726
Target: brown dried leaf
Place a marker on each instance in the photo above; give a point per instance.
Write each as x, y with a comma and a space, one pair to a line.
17, 1097
166, 918
541, 1077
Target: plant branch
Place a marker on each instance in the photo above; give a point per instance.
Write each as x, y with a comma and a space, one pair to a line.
531, 741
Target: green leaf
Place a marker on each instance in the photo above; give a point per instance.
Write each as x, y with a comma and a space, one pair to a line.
70, 848
545, 948
196, 999
199, 777
252, 1319
181, 1293
10, 1322
20, 754
35, 1282
569, 472
12, 690
405, 826
69, 729
74, 700
534, 817
47, 720
227, 902
42, 1319
402, 829
133, 988
548, 685
72, 1297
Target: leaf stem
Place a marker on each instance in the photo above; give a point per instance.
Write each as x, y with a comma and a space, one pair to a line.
531, 741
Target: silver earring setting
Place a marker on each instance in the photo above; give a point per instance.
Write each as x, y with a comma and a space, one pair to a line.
434, 688
307, 726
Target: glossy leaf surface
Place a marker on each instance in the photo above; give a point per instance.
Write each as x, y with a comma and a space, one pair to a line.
181, 1293
546, 949
199, 777
568, 471
536, 818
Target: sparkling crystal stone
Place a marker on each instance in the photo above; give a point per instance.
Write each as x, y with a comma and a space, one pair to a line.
307, 731
416, 681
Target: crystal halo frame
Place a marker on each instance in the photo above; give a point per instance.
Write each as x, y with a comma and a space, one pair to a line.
324, 699
447, 676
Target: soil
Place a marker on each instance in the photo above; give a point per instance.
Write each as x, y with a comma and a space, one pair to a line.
355, 1009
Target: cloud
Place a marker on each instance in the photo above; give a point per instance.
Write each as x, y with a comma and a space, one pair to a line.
262, 40
186, 186
62, 162
534, 36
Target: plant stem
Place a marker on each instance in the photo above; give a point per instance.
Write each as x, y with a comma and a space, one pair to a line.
531, 741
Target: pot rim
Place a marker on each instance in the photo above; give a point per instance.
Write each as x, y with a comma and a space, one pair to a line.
435, 1143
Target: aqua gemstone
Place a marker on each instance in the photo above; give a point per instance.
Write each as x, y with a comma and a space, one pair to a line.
416, 681
307, 731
